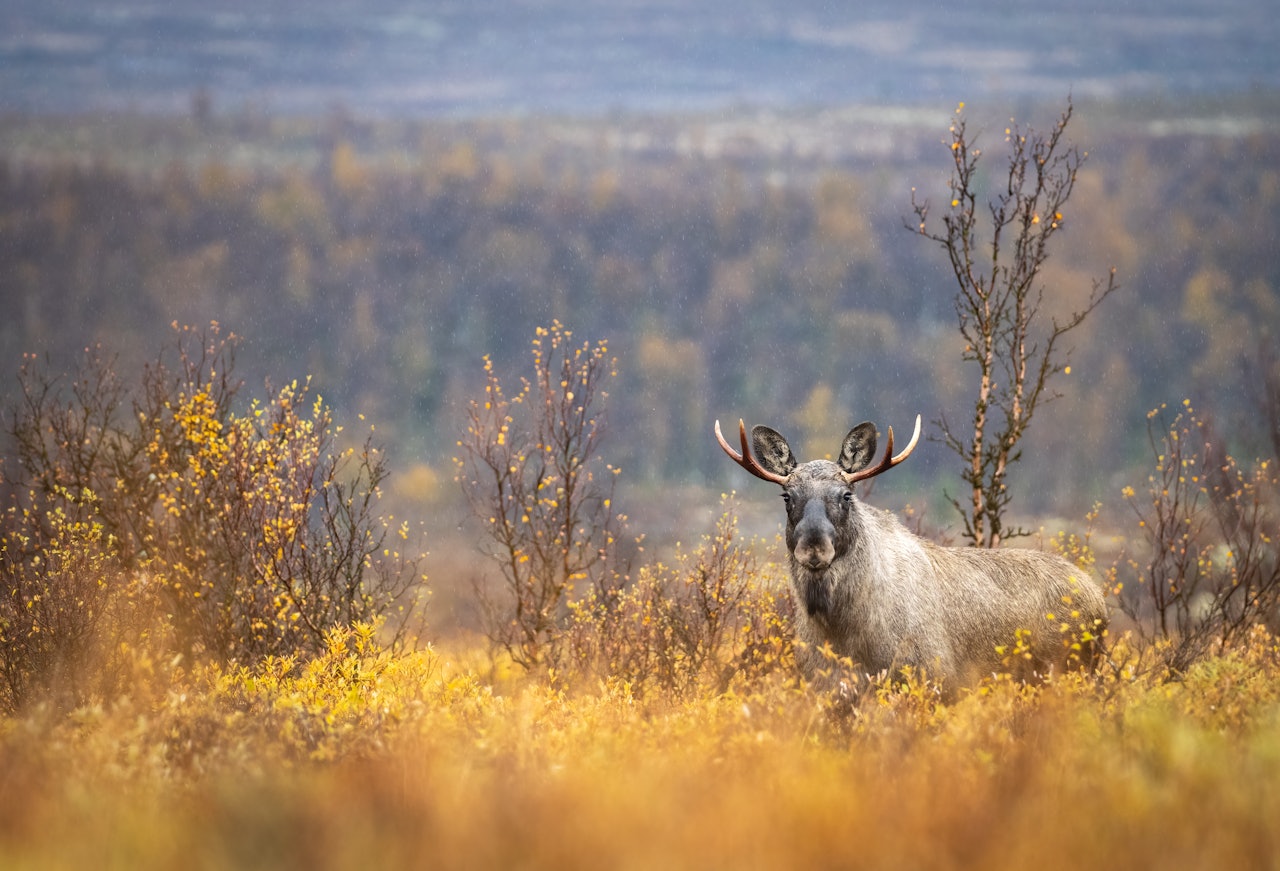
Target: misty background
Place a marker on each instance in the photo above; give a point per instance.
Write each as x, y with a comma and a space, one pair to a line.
379, 194
487, 57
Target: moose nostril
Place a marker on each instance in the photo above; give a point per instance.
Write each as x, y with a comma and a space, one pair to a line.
813, 556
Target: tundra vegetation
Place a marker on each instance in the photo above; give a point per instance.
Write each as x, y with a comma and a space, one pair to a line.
213, 653
672, 727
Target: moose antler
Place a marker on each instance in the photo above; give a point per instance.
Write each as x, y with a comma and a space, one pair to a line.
748, 462
885, 464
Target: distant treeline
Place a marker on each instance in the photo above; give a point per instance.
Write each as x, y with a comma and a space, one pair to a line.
724, 290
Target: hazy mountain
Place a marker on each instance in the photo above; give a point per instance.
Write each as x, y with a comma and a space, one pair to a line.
486, 56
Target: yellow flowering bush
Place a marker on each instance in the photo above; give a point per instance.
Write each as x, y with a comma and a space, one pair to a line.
232, 534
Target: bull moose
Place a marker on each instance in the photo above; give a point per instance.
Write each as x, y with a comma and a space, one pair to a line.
886, 598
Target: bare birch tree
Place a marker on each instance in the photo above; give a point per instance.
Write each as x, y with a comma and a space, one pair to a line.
999, 303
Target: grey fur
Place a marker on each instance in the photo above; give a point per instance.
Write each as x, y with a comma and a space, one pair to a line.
886, 598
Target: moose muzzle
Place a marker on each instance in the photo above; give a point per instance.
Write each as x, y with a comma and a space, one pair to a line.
813, 540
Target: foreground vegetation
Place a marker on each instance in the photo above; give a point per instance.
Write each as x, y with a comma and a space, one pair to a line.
368, 758
208, 662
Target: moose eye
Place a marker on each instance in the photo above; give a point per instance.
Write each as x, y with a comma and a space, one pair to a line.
786, 497
847, 496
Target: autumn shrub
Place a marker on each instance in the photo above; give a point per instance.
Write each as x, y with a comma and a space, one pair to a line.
713, 617
58, 570
231, 532
348, 699
1210, 573
529, 465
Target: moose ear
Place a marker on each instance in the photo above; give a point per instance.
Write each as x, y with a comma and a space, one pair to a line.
858, 448
772, 450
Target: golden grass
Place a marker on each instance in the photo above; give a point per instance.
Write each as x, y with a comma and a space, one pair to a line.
367, 759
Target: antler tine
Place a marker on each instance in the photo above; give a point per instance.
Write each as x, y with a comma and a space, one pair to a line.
889, 460
745, 459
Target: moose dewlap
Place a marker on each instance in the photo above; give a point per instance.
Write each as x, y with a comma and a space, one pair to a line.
885, 598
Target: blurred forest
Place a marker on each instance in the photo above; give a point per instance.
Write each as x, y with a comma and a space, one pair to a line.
734, 270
